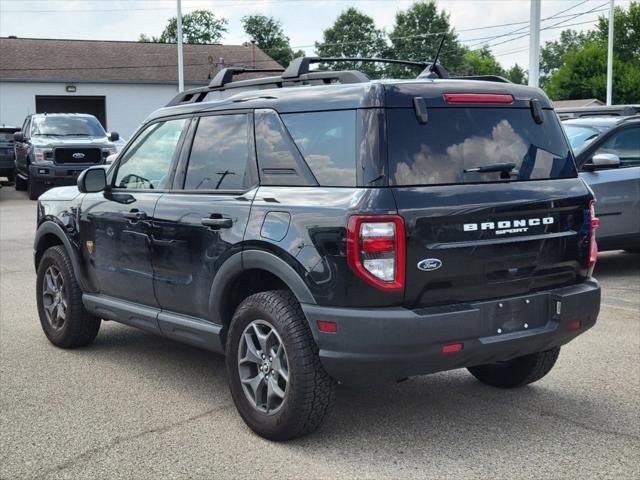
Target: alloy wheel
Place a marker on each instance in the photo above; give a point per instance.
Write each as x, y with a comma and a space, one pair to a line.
53, 297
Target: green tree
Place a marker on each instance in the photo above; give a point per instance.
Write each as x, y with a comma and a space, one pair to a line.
417, 33
583, 69
517, 75
353, 34
552, 53
268, 34
199, 26
481, 62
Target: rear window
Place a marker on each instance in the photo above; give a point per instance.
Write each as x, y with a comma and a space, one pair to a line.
456, 139
6, 136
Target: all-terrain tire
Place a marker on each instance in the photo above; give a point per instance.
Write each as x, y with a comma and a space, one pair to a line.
310, 391
34, 189
79, 327
21, 184
518, 372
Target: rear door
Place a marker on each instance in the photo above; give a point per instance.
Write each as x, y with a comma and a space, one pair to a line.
617, 190
201, 221
473, 235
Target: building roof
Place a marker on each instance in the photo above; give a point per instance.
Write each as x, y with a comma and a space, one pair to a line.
124, 62
585, 102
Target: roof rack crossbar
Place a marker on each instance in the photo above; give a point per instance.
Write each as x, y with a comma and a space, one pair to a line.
300, 65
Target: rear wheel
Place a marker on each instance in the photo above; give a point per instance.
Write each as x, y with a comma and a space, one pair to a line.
277, 381
63, 317
518, 372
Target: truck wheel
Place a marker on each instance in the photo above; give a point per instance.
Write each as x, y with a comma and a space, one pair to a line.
63, 317
518, 372
277, 381
21, 184
34, 188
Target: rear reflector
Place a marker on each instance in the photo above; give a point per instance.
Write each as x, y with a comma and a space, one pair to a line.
454, 347
478, 98
574, 325
327, 327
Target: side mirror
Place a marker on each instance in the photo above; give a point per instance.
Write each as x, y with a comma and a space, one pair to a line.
602, 161
110, 159
18, 137
92, 180
113, 136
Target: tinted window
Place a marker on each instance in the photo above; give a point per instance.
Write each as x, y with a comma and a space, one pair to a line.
279, 159
67, 126
327, 141
579, 136
147, 163
456, 139
220, 154
626, 145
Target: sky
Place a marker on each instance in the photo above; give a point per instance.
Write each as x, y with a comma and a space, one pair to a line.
303, 20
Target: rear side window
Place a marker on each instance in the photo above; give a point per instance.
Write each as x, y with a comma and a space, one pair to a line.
626, 145
327, 141
457, 139
222, 154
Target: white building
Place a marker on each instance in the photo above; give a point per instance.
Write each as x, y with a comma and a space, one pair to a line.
118, 82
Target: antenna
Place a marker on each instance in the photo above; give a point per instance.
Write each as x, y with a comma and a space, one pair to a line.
435, 60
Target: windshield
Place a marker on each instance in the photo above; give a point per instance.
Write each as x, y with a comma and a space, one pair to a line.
61, 126
580, 136
474, 145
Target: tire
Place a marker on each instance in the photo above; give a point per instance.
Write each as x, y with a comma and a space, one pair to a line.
309, 392
21, 185
518, 372
78, 327
34, 189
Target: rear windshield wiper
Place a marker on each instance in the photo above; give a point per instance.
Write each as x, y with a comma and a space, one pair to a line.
505, 169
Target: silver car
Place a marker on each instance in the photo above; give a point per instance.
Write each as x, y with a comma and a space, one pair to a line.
607, 151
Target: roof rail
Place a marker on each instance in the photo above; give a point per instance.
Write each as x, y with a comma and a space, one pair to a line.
300, 65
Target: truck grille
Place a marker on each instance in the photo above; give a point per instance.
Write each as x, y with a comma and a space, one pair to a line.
78, 155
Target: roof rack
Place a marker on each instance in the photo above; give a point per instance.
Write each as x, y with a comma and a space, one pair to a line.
297, 72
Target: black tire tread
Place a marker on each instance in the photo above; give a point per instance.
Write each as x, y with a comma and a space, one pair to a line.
519, 372
318, 395
82, 326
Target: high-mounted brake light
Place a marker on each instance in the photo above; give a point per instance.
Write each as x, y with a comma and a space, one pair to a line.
376, 250
594, 223
478, 98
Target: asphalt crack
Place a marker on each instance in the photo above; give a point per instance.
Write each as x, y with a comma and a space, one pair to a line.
88, 454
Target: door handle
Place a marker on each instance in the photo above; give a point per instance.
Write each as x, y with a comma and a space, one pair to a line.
135, 215
216, 223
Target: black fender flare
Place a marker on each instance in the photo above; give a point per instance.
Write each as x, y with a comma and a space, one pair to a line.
50, 227
254, 259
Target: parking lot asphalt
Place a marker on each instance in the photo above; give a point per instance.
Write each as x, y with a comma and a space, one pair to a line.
133, 405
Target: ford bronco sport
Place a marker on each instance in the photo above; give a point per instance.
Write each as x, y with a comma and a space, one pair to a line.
318, 228
52, 149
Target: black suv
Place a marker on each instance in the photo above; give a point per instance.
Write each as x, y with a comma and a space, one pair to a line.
7, 155
52, 149
320, 228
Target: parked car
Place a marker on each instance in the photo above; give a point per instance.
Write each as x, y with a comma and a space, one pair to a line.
7, 156
567, 113
349, 231
53, 148
607, 153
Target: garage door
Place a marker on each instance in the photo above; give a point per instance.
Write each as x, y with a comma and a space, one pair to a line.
73, 104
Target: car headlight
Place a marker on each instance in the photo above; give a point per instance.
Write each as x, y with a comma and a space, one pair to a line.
43, 154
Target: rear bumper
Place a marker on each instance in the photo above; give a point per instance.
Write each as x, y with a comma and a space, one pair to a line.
376, 345
56, 175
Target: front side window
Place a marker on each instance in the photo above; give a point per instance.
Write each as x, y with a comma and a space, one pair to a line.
626, 145
222, 154
147, 163
327, 141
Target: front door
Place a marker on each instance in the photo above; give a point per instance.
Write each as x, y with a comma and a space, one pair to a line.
200, 223
116, 224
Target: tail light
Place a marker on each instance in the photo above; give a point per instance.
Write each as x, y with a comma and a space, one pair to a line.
376, 250
478, 98
593, 226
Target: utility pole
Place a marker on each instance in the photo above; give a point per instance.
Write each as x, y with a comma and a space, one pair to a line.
180, 59
610, 55
534, 43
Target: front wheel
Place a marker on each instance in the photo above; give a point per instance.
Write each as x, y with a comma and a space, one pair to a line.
277, 381
34, 188
21, 183
518, 372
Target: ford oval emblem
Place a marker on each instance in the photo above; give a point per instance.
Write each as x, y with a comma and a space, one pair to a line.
429, 264
78, 155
